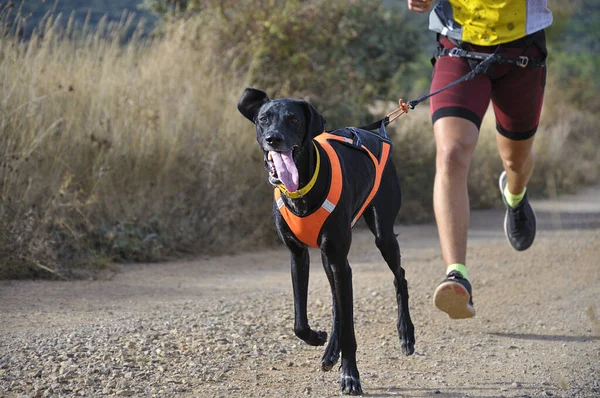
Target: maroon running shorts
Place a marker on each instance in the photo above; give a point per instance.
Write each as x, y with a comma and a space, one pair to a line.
516, 93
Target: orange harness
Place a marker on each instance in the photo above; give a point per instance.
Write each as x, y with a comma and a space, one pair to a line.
308, 228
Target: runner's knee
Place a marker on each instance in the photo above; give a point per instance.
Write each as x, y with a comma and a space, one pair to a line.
453, 157
516, 155
517, 162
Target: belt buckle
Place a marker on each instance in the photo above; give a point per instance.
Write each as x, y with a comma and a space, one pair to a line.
523, 61
455, 52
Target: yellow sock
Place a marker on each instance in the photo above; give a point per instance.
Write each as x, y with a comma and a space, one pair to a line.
512, 199
458, 267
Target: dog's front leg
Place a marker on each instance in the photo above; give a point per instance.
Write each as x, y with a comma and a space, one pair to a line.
342, 281
300, 270
332, 351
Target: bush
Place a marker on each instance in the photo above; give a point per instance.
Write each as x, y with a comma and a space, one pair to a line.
340, 55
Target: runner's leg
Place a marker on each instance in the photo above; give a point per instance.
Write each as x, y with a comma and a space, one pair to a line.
518, 161
455, 140
456, 115
517, 99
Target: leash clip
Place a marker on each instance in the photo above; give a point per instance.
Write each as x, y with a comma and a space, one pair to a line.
523, 61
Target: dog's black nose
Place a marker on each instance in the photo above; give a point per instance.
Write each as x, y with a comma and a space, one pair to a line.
274, 138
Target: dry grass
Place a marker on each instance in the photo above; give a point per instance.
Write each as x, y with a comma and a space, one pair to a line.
136, 152
131, 152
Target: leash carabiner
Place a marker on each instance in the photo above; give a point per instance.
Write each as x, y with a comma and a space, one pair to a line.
403, 108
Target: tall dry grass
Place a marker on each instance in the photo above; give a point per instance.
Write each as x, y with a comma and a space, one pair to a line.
121, 152
136, 152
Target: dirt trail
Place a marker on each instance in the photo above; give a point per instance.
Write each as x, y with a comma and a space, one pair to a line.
222, 327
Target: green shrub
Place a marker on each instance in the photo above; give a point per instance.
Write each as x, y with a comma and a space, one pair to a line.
340, 55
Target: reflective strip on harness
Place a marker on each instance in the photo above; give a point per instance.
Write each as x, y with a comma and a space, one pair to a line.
280, 203
327, 205
308, 228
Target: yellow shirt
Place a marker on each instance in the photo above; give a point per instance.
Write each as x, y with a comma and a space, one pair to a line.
489, 22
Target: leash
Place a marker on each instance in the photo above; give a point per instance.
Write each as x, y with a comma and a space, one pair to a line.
404, 107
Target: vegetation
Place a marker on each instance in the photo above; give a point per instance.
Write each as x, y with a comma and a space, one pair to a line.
113, 151
575, 52
33, 13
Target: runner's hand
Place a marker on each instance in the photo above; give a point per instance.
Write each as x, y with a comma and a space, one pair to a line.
419, 6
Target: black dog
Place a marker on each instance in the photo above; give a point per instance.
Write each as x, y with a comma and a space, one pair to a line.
298, 153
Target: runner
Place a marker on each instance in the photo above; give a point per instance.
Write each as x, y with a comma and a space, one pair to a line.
467, 29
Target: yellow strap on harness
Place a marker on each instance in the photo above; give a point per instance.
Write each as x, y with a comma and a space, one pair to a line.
303, 191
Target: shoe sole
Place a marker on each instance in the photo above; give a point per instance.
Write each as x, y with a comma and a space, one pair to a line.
506, 215
453, 299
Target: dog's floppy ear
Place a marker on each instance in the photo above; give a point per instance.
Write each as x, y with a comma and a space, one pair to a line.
315, 122
250, 103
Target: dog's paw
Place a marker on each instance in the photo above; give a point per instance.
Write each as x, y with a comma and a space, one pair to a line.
326, 366
321, 337
350, 385
331, 354
317, 338
327, 363
329, 360
407, 342
406, 331
408, 346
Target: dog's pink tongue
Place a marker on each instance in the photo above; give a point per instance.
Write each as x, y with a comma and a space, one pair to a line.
286, 169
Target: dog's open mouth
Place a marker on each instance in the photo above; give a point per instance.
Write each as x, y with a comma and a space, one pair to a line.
282, 169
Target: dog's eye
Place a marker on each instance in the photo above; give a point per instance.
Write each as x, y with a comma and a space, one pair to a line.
294, 120
263, 119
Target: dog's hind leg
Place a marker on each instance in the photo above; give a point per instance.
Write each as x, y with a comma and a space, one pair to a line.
385, 239
332, 352
300, 263
380, 217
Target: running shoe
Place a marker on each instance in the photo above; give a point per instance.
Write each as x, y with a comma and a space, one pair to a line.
519, 222
453, 296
